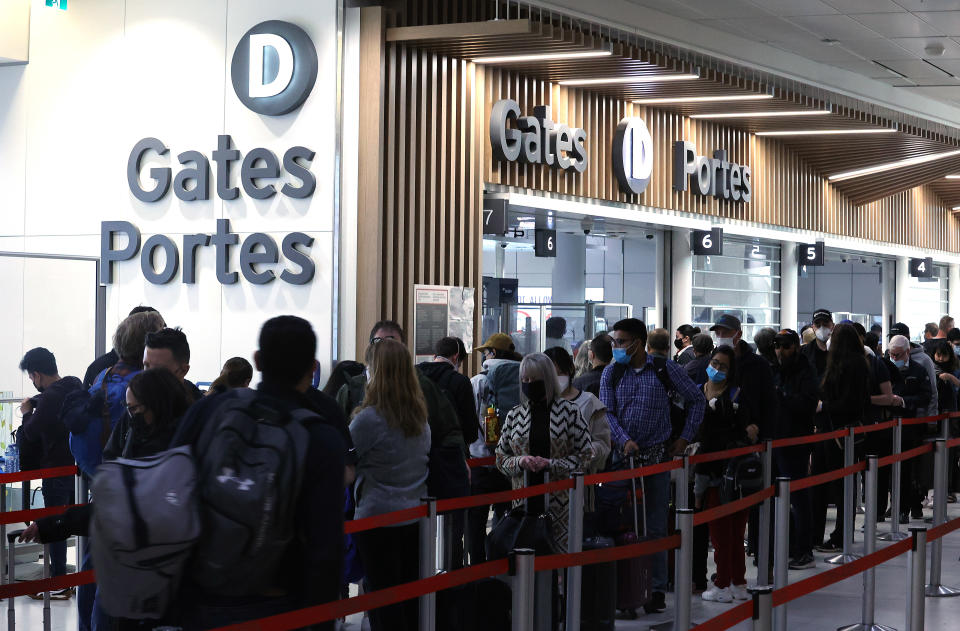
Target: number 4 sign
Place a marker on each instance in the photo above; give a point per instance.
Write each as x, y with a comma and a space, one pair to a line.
921, 268
810, 254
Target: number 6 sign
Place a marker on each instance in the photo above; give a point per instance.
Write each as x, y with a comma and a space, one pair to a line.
707, 242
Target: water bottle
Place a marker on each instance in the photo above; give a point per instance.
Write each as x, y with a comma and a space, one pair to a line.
16, 458
8, 459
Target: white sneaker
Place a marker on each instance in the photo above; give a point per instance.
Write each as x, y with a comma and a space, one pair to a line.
718, 595
739, 592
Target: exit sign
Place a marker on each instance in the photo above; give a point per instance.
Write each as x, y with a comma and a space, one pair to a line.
58, 4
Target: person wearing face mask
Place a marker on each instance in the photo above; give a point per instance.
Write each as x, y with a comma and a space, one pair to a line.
636, 392
816, 351
590, 406
918, 356
913, 392
544, 434
723, 427
42, 430
683, 342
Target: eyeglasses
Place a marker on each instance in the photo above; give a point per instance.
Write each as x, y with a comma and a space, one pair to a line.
620, 343
377, 340
777, 344
133, 410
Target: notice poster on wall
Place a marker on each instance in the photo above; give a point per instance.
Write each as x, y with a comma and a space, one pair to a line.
440, 311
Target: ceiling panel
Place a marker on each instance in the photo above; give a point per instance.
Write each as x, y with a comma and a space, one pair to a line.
788, 8
928, 5
720, 8
947, 22
868, 68
896, 24
914, 68
877, 48
818, 51
834, 27
950, 65
865, 6
916, 45
767, 28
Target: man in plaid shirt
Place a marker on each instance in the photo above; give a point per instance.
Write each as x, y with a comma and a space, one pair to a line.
638, 409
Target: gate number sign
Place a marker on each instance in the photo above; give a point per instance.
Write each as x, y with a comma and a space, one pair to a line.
921, 268
811, 254
545, 242
707, 242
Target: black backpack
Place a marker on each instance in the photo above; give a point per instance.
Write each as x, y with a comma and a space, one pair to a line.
250, 462
678, 415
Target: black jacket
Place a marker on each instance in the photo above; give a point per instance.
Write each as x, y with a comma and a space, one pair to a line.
100, 364
129, 441
914, 387
755, 380
846, 394
798, 393
724, 426
685, 356
43, 430
697, 369
459, 391
590, 381
816, 357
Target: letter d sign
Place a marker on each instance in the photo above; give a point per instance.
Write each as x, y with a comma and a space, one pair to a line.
274, 68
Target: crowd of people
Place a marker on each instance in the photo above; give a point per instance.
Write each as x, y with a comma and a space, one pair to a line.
384, 433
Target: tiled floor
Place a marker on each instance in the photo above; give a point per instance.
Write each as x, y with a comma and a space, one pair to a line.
825, 610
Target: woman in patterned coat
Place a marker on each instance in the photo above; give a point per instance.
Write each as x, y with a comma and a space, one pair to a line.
544, 434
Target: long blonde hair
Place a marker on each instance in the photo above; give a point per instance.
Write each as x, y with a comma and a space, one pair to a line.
394, 389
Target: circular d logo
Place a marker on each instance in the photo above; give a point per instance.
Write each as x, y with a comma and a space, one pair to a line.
633, 155
274, 68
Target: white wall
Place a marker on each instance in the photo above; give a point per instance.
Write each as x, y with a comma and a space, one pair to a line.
107, 73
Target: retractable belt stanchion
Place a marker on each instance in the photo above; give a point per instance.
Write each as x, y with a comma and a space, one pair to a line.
11, 573
3, 535
781, 553
428, 563
934, 588
763, 537
79, 489
46, 594
895, 534
849, 505
869, 547
916, 569
683, 576
575, 544
682, 488
521, 564
762, 607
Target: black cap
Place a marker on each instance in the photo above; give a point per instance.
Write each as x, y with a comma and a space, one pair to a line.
787, 336
726, 321
822, 314
899, 329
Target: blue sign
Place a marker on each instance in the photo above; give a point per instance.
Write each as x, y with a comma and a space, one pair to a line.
58, 4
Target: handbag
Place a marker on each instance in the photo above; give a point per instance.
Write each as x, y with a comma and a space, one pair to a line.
521, 529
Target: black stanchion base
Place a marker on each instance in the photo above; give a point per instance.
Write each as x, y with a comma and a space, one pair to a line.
866, 627
840, 559
893, 536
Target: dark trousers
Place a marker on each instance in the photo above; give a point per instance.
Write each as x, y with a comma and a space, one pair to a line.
483, 480
827, 456
794, 462
391, 556
880, 444
727, 536
58, 492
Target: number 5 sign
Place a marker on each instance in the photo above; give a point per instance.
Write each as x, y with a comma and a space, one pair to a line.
810, 254
707, 242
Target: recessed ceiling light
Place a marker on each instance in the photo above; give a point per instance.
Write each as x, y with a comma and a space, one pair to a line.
704, 99
508, 59
955, 208
825, 132
892, 165
953, 177
642, 79
763, 114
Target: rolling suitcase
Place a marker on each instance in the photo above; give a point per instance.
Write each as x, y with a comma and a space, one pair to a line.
598, 602
635, 575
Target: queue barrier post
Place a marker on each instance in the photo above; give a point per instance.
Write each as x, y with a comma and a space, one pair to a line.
762, 607
870, 483
916, 570
683, 575
521, 562
428, 563
575, 544
46, 594
11, 577
763, 538
849, 511
895, 534
934, 588
682, 488
781, 553
3, 535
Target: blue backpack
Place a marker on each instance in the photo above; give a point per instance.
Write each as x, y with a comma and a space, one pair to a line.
91, 416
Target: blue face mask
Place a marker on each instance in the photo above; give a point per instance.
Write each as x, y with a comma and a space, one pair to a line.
620, 356
956, 351
899, 363
715, 375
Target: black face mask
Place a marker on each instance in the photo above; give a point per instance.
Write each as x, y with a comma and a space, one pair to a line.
678, 343
536, 391
138, 421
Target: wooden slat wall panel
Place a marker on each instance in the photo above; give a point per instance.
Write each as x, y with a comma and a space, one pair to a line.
787, 191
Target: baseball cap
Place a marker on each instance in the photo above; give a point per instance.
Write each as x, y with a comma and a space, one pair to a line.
726, 321
822, 314
497, 341
787, 336
899, 329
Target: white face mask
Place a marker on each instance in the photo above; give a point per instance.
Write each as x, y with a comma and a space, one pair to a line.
823, 334
564, 382
724, 341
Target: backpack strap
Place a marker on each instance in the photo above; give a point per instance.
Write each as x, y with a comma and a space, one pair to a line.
106, 425
660, 369
619, 370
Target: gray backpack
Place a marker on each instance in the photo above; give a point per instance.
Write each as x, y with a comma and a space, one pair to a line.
250, 461
504, 382
144, 527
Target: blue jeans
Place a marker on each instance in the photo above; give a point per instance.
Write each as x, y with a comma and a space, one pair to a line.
86, 594
657, 503
58, 492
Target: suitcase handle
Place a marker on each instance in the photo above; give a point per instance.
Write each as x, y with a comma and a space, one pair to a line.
633, 501
546, 496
